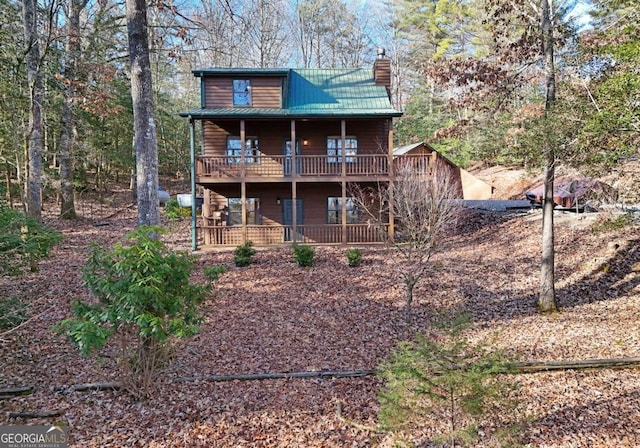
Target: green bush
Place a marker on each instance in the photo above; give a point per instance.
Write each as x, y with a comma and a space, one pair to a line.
144, 298
303, 255
24, 241
172, 210
12, 312
452, 386
243, 254
213, 273
354, 257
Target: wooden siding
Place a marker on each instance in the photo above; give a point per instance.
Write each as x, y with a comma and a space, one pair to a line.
372, 135
214, 139
265, 92
314, 199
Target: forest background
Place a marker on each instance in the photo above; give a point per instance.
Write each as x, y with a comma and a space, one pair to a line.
464, 74
471, 80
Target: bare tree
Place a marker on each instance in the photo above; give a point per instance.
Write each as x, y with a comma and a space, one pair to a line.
422, 201
145, 140
266, 33
72, 9
330, 34
547, 297
36, 97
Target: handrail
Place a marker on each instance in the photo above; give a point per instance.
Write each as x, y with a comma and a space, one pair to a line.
283, 166
269, 235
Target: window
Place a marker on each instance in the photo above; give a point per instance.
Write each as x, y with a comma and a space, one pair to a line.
234, 214
234, 150
241, 92
287, 147
334, 149
334, 211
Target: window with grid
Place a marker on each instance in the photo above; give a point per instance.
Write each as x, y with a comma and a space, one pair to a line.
335, 151
234, 150
242, 92
234, 212
334, 210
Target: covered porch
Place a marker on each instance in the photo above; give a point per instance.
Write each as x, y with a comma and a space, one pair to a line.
270, 214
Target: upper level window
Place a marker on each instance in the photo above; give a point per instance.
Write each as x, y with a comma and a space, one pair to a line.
234, 150
335, 152
241, 92
334, 210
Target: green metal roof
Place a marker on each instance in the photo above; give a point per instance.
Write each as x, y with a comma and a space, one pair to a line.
312, 93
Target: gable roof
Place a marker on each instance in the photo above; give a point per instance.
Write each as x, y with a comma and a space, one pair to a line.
311, 93
402, 150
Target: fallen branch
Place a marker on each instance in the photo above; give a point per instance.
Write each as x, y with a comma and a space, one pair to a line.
113, 385
15, 391
517, 368
116, 213
278, 376
611, 363
41, 414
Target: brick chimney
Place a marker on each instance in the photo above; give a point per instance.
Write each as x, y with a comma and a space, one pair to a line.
382, 71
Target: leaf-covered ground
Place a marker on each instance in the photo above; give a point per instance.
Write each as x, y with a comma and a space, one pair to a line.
274, 316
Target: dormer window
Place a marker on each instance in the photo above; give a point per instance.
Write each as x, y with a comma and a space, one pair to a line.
242, 92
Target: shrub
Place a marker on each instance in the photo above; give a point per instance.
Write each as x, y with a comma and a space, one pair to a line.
354, 257
144, 298
12, 312
243, 254
303, 255
213, 273
450, 385
172, 210
24, 241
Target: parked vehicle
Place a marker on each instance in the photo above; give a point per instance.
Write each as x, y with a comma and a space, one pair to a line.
571, 193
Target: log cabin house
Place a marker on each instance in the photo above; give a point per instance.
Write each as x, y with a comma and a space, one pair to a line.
279, 148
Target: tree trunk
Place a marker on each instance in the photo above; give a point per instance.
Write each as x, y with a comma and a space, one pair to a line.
67, 205
410, 284
145, 140
36, 100
547, 298
9, 196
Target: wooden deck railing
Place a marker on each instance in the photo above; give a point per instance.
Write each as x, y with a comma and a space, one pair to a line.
284, 166
277, 235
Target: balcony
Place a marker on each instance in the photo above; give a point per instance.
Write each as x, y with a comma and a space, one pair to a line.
212, 168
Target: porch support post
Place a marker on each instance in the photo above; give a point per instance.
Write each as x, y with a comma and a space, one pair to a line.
243, 200
391, 178
243, 184
344, 211
206, 216
294, 210
243, 142
343, 142
294, 192
192, 166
